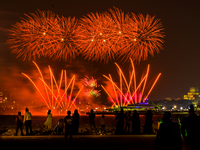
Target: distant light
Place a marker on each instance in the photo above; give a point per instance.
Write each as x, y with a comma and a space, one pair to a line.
181, 108
92, 40
135, 39
44, 33
120, 32
62, 39
104, 40
100, 33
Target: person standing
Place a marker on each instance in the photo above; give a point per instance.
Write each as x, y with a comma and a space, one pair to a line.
92, 120
75, 122
103, 124
120, 117
48, 122
19, 120
128, 122
148, 122
28, 121
190, 129
135, 123
117, 123
168, 135
68, 126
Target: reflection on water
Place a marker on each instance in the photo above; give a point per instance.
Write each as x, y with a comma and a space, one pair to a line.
9, 120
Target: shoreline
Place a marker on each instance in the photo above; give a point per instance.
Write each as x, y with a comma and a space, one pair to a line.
8, 126
104, 112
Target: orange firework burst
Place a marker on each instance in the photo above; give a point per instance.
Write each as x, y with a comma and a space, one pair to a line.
43, 34
144, 36
119, 28
129, 92
95, 37
103, 36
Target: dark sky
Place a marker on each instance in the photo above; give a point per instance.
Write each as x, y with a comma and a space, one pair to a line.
178, 62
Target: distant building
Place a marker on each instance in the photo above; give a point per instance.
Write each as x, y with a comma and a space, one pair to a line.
193, 94
171, 103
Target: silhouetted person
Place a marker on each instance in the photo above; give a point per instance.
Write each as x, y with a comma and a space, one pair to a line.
19, 121
68, 126
28, 121
103, 124
48, 122
92, 120
117, 123
168, 136
120, 117
148, 122
128, 121
75, 122
191, 125
135, 123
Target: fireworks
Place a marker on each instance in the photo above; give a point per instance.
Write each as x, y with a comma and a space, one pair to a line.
43, 34
129, 92
90, 82
97, 36
90, 85
53, 95
144, 36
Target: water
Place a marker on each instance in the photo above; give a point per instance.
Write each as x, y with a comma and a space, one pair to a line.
9, 120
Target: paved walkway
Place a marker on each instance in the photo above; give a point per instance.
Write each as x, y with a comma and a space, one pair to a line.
81, 142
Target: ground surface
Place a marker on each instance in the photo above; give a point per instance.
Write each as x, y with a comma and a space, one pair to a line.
82, 142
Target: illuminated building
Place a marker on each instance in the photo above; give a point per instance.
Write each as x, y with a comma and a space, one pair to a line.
193, 94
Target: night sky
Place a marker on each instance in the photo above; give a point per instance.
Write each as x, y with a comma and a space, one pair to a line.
178, 62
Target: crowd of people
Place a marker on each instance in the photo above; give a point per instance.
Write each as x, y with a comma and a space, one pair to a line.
123, 123
168, 135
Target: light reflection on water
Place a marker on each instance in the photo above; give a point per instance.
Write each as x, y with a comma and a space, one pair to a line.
9, 120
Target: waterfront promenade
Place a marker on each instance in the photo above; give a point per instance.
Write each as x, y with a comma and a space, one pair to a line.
81, 142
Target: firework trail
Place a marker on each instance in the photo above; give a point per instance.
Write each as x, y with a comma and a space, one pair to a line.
129, 92
52, 94
43, 34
